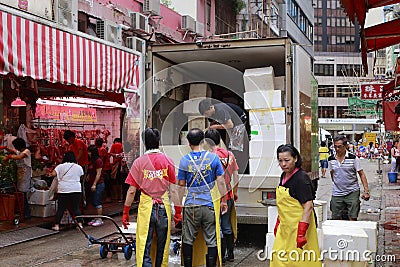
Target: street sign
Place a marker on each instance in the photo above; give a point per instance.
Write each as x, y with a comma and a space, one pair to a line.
371, 91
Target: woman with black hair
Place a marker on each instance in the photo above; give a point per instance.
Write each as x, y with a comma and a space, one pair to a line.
96, 182
295, 228
69, 188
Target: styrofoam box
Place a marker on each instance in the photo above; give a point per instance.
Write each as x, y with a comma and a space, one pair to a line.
196, 122
131, 228
43, 210
268, 132
191, 106
259, 79
344, 241
279, 82
263, 99
329, 263
264, 167
267, 116
199, 90
39, 197
371, 228
272, 216
262, 149
321, 210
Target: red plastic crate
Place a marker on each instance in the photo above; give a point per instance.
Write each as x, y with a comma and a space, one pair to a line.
7, 205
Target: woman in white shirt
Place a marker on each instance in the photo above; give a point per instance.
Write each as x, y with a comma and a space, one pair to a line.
69, 190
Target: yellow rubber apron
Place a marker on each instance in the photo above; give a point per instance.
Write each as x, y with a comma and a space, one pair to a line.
143, 221
233, 219
285, 251
199, 245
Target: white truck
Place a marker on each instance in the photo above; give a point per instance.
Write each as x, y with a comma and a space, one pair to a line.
180, 75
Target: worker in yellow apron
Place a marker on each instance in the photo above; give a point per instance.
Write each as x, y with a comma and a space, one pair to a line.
296, 242
154, 174
201, 172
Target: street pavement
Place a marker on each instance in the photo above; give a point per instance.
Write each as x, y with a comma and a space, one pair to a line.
70, 248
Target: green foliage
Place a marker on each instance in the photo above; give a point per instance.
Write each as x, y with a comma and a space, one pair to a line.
166, 3
8, 170
238, 5
36, 165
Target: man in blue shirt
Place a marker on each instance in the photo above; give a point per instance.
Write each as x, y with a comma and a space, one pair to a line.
199, 171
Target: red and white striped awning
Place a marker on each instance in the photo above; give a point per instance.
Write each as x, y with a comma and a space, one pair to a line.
28, 48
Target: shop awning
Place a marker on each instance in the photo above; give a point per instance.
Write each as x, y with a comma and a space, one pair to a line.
28, 48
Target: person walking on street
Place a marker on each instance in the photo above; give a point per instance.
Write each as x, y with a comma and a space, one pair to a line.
228, 220
154, 173
395, 154
202, 173
323, 158
343, 167
295, 228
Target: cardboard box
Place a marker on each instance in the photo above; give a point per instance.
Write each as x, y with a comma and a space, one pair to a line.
263, 99
191, 106
279, 82
371, 228
267, 116
263, 149
265, 167
259, 79
44, 210
348, 244
268, 132
38, 197
196, 122
199, 90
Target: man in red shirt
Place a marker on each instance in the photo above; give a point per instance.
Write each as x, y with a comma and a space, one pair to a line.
228, 220
78, 147
106, 170
154, 174
116, 151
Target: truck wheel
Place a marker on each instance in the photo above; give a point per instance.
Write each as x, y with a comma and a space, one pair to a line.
128, 252
103, 251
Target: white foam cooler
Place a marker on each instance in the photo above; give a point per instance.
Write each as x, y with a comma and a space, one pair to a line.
43, 210
191, 106
264, 166
38, 197
267, 116
259, 79
268, 132
262, 149
272, 216
263, 99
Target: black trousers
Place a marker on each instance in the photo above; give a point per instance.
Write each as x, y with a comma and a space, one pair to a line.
65, 200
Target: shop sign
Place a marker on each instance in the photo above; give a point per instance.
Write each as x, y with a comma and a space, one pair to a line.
371, 91
369, 137
65, 113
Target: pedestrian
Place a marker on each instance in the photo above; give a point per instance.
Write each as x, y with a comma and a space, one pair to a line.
395, 153
228, 220
295, 228
323, 158
343, 167
154, 173
69, 189
116, 153
22, 155
96, 182
202, 173
229, 117
370, 150
77, 146
106, 170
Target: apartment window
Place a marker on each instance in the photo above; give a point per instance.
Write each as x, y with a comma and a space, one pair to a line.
323, 70
326, 112
349, 70
381, 53
208, 14
326, 91
342, 112
293, 10
346, 91
274, 15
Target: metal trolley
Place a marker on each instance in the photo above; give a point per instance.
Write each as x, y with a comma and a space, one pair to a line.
114, 242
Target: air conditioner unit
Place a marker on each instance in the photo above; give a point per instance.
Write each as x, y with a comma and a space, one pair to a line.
139, 22
200, 28
151, 6
66, 13
188, 23
136, 43
109, 31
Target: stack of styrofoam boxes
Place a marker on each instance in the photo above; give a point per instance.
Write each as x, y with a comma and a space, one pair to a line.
197, 92
350, 242
40, 204
321, 211
267, 120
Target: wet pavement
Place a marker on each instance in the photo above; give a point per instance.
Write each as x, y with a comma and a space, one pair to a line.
70, 248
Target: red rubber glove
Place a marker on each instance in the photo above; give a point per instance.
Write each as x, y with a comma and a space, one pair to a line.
125, 216
276, 225
178, 217
301, 234
3, 147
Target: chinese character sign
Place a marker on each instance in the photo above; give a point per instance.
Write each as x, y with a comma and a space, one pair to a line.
65, 113
371, 91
